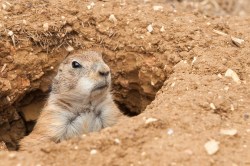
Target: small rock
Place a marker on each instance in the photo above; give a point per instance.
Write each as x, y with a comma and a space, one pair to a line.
150, 120
232, 107
219, 75
212, 106
70, 49
68, 29
92, 4
220, 32
194, 59
45, 27
162, 29
238, 42
117, 141
89, 7
212, 147
173, 84
4, 6
170, 131
229, 132
4, 67
93, 152
157, 8
8, 98
226, 88
150, 28
10, 33
112, 18
233, 75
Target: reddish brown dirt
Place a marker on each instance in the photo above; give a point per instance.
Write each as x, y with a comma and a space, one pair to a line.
187, 62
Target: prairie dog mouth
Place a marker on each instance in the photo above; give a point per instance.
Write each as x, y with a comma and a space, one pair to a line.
101, 86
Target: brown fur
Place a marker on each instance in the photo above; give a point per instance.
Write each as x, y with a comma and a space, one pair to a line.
80, 102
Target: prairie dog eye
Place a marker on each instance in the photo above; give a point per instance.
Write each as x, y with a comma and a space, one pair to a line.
75, 64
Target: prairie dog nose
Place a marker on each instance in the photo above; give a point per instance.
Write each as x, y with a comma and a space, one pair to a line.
104, 70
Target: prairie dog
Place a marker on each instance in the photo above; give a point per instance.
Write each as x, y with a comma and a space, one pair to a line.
80, 101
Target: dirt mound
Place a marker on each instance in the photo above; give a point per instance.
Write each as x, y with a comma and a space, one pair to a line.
149, 46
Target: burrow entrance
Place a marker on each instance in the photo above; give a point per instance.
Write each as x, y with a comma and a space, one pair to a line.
136, 79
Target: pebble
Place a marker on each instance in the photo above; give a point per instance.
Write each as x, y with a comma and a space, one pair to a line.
150, 28
4, 67
238, 42
170, 131
212, 147
70, 48
117, 141
162, 29
212, 106
194, 59
157, 8
10, 33
226, 88
150, 120
112, 18
219, 75
233, 75
229, 132
45, 26
4, 6
92, 4
93, 152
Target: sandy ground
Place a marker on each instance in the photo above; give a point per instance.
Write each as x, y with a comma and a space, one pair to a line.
169, 62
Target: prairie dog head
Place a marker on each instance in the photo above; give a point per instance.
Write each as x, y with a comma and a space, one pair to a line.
85, 73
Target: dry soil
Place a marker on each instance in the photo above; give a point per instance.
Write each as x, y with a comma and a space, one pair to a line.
169, 61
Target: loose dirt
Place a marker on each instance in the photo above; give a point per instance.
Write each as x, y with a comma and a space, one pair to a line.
168, 61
